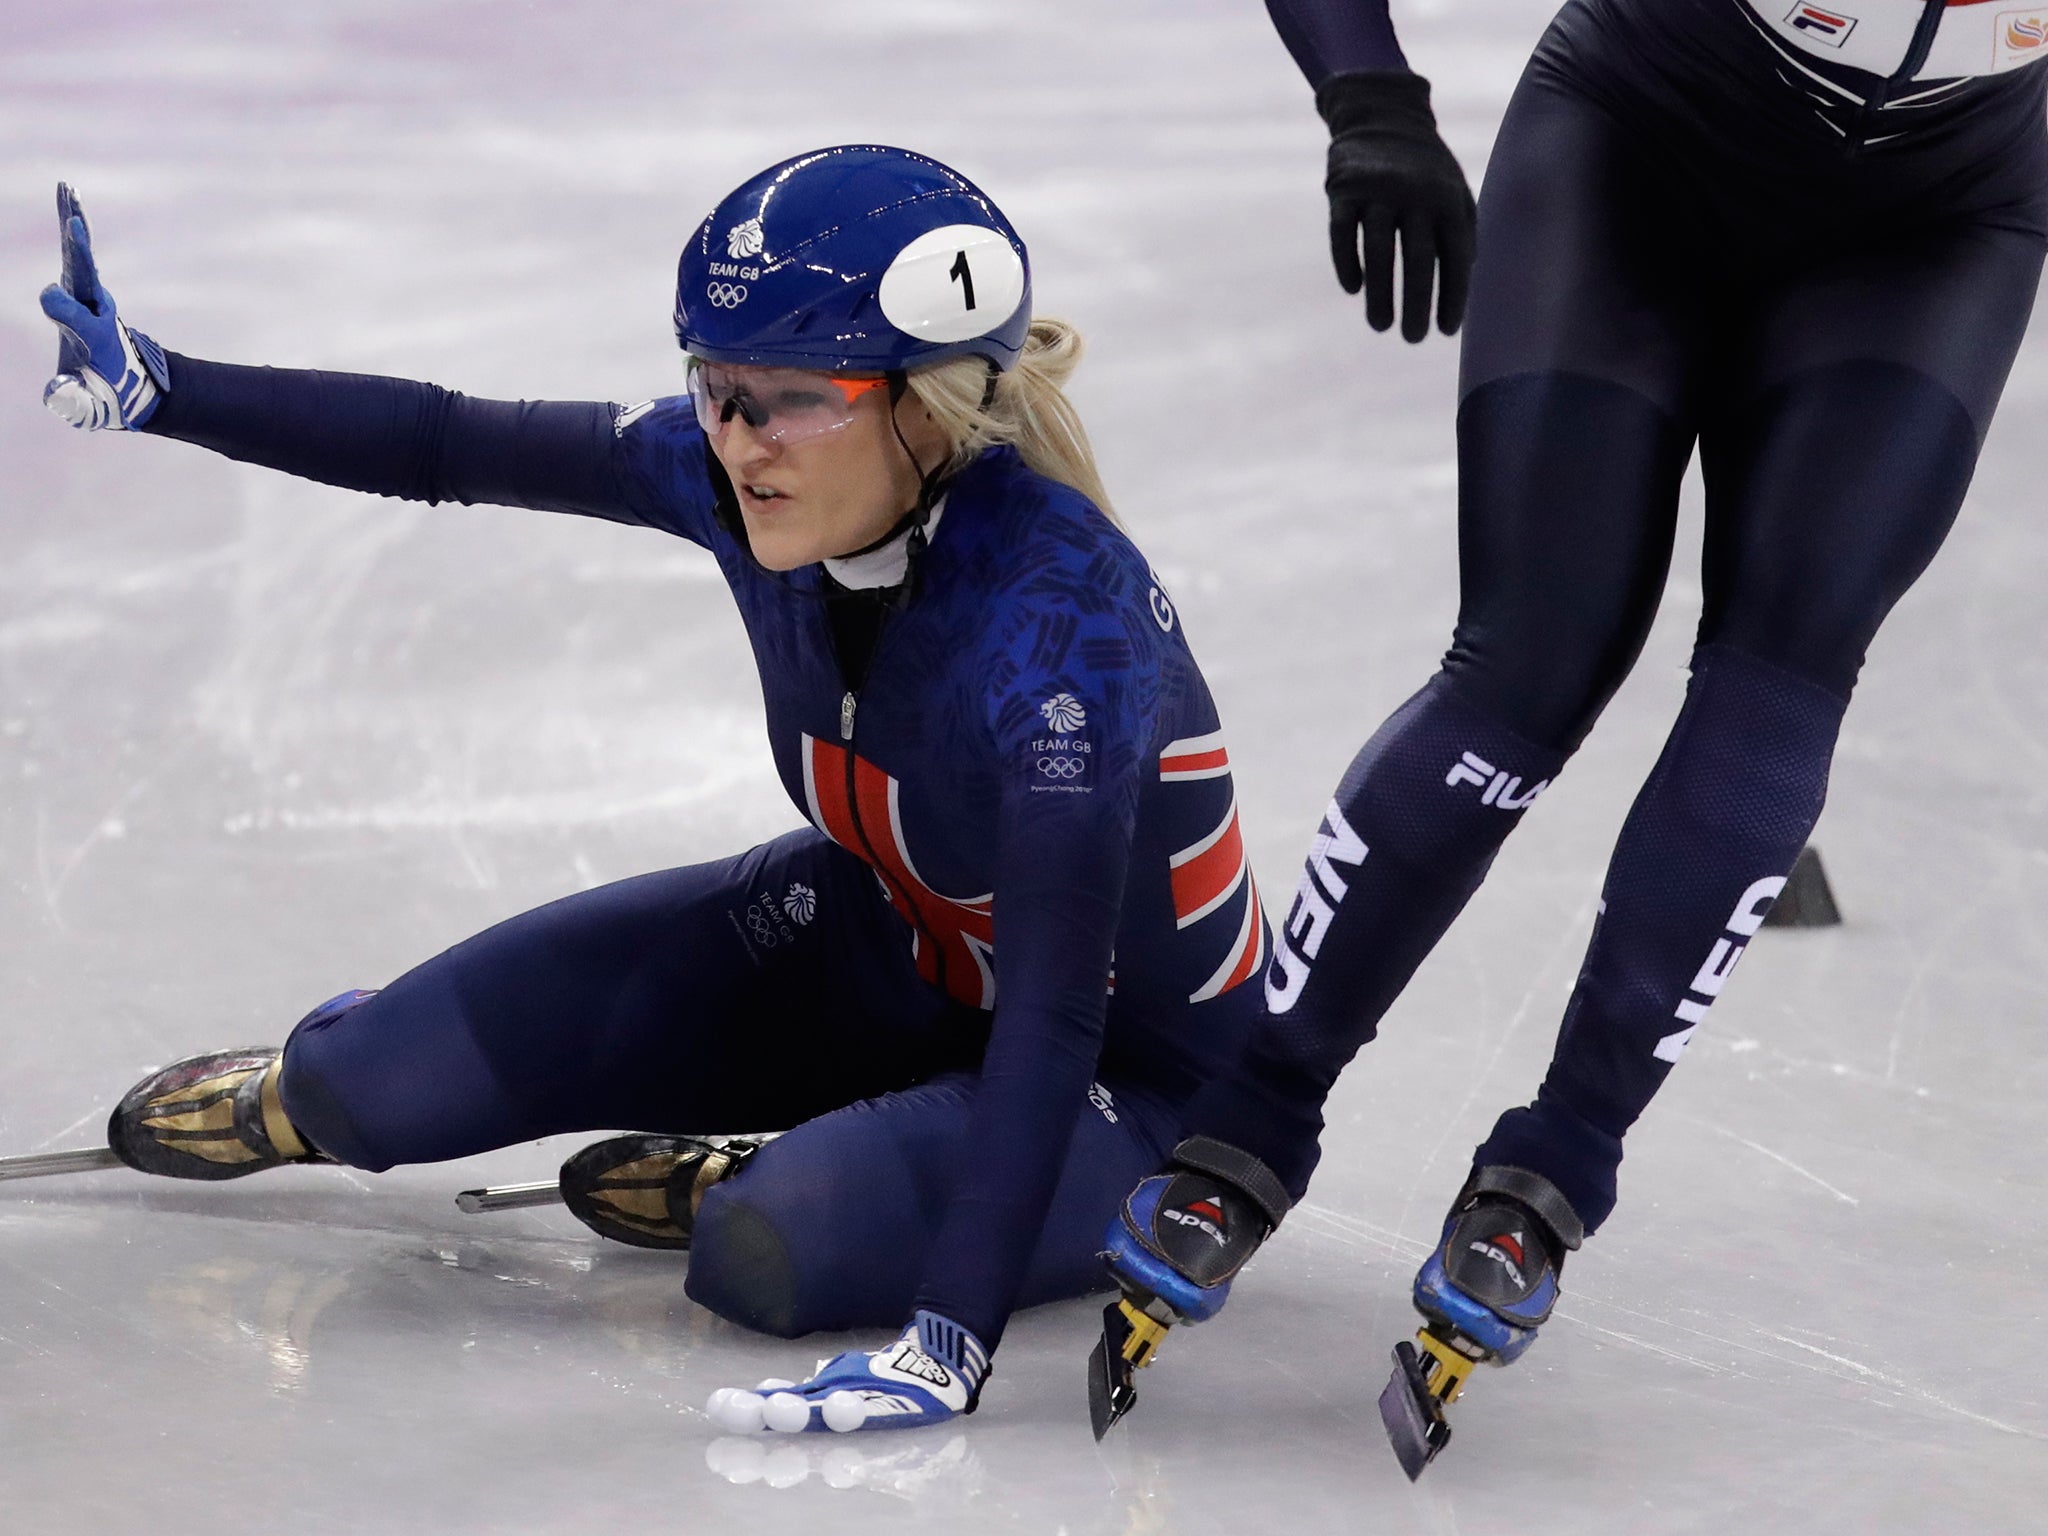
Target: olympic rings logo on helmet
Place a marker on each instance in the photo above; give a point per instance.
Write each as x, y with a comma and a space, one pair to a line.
1063, 767
726, 295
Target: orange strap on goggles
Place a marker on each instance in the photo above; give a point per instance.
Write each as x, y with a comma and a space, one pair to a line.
783, 405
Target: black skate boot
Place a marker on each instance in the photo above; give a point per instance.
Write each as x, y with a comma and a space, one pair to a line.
1490, 1284
215, 1116
644, 1189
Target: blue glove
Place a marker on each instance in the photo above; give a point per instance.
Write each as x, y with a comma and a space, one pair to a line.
107, 375
930, 1374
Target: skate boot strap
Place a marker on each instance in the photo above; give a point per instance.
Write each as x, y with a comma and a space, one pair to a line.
277, 1125
1218, 1159
1543, 1199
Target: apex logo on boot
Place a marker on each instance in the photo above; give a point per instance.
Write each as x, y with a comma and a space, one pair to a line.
1505, 1249
1204, 1215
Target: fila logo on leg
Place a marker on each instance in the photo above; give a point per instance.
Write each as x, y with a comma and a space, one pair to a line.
1497, 787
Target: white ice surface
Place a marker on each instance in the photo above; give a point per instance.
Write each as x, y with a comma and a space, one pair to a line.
260, 740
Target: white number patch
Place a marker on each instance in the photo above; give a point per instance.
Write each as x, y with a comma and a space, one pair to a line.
953, 283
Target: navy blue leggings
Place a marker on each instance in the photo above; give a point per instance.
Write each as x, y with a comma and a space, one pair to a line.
756, 993
1837, 363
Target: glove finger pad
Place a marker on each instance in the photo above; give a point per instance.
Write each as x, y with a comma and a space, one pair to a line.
844, 1412
740, 1413
786, 1413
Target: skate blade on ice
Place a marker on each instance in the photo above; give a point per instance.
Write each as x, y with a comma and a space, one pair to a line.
1428, 1376
509, 1197
1129, 1339
1412, 1413
41, 1165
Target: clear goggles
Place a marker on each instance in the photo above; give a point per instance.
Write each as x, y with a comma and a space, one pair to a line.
782, 405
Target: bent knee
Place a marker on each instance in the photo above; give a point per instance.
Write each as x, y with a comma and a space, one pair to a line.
311, 1086
740, 1267
787, 1248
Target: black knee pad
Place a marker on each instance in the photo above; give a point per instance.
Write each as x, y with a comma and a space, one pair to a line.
740, 1267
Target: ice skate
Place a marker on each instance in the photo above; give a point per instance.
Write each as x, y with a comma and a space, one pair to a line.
1484, 1292
645, 1189
1174, 1250
215, 1116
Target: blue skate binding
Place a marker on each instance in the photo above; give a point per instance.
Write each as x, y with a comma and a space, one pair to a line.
1174, 1249
1491, 1283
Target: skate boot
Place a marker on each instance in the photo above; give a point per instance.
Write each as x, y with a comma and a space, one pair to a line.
1491, 1283
216, 1116
1174, 1250
644, 1189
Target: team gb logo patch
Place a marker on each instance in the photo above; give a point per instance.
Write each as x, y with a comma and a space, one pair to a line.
801, 904
744, 240
1064, 713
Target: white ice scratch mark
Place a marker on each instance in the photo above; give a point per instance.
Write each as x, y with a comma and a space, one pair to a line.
1353, 1232
1908, 1389
1356, 1233
112, 823
1964, 919
90, 1117
1776, 1157
1713, 1368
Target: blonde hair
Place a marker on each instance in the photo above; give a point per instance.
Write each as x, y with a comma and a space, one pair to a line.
1028, 410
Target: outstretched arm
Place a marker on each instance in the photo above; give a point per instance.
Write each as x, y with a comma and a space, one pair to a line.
1390, 172
393, 437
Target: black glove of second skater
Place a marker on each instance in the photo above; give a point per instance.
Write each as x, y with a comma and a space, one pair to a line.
1390, 171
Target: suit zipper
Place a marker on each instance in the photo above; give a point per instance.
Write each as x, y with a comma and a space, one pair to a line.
849, 705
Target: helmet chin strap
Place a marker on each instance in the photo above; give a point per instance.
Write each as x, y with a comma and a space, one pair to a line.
930, 483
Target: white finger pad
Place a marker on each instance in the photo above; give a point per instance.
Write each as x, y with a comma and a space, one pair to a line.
844, 1411
739, 1412
787, 1413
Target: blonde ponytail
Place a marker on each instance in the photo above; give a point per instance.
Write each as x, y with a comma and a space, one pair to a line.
1029, 409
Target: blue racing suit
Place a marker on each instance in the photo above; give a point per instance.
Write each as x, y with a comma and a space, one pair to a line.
1022, 903
1802, 240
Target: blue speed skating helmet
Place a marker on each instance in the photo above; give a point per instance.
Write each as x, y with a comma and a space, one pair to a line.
857, 259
